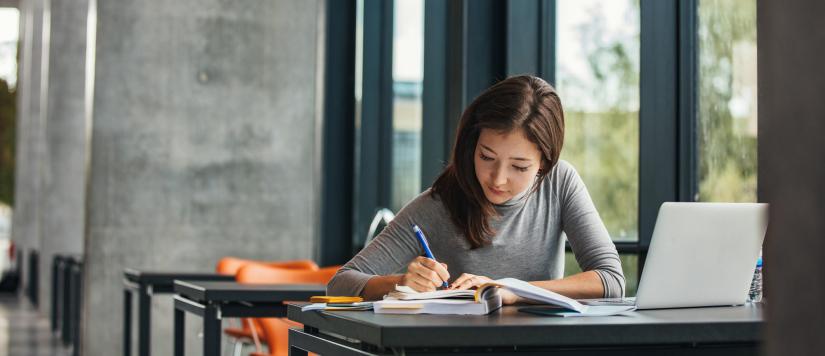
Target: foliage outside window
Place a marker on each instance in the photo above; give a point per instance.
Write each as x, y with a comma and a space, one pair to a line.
9, 18
727, 100
598, 82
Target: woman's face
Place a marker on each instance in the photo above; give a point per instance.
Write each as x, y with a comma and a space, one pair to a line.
506, 164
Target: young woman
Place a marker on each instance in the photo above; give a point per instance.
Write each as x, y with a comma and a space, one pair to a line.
497, 210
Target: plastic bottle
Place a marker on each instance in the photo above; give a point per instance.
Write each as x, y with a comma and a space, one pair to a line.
755, 292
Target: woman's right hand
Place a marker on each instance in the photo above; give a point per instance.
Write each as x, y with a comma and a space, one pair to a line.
425, 275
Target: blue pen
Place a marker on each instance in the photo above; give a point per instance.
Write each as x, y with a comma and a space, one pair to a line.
423, 240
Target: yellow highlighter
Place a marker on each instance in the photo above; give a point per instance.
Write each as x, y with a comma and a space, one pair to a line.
335, 299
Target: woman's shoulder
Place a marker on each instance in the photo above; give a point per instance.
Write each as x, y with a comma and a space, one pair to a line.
562, 178
564, 169
563, 172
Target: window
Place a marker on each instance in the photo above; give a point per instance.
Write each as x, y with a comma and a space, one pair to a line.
407, 76
630, 263
9, 18
597, 71
389, 71
726, 132
597, 46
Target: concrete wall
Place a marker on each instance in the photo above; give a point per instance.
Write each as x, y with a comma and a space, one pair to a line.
30, 136
202, 145
63, 169
792, 172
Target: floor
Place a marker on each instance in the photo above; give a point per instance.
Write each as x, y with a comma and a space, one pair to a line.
24, 332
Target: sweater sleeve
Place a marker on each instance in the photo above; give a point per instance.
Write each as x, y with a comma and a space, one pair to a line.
588, 237
388, 253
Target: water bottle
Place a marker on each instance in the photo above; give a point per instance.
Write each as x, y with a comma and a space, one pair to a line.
755, 292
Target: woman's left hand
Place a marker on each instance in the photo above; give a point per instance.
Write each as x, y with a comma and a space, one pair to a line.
467, 281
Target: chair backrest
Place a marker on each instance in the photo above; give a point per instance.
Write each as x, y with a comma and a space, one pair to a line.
276, 329
230, 265
261, 274
382, 218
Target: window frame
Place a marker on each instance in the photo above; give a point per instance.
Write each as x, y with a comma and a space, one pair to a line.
373, 139
338, 132
519, 38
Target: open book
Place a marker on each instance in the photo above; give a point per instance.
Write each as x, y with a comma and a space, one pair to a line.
483, 300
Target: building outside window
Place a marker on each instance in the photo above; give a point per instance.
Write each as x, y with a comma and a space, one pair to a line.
408, 77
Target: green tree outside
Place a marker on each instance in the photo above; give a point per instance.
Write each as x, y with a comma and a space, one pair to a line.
727, 74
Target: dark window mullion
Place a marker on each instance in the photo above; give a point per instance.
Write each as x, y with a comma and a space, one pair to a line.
465, 53
375, 143
688, 90
437, 49
548, 41
385, 97
485, 46
658, 112
524, 37
338, 133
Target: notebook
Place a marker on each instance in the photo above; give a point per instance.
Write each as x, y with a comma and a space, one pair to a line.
483, 300
461, 302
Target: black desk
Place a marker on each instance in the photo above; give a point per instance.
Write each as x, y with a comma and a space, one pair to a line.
706, 331
216, 300
145, 284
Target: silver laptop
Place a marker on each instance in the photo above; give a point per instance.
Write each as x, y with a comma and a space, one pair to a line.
701, 254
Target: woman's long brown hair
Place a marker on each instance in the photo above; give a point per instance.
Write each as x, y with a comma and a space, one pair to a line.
521, 102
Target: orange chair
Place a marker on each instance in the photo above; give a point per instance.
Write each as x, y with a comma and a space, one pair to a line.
276, 330
230, 266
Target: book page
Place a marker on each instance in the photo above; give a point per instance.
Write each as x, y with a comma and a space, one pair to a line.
407, 293
529, 291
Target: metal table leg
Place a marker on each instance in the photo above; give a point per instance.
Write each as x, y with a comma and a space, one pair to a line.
144, 321
180, 323
211, 331
127, 322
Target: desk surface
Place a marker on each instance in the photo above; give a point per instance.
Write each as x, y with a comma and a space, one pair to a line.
234, 292
167, 277
508, 326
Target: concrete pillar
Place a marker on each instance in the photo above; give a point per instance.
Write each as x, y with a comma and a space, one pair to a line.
203, 144
30, 136
65, 137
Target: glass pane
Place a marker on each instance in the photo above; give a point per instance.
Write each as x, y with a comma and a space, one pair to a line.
359, 68
407, 77
597, 75
9, 27
630, 267
727, 100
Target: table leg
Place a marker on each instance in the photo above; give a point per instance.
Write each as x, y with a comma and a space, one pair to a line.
180, 339
127, 322
55, 287
211, 331
144, 321
294, 351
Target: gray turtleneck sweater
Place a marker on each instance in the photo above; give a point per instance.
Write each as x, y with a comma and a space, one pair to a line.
528, 243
